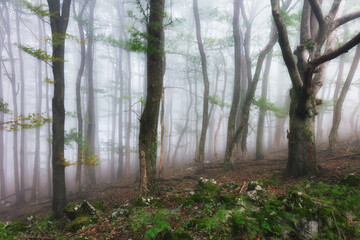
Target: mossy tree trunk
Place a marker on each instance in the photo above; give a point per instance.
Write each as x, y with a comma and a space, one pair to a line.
307, 75
59, 21
150, 116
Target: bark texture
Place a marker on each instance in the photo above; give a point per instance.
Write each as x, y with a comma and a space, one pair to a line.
59, 22
150, 116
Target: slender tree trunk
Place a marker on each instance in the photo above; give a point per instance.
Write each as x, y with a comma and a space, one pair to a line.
187, 121
120, 78
222, 107
262, 111
90, 135
80, 73
2, 160
12, 78
237, 79
22, 108
150, 115
58, 20
205, 118
36, 175
128, 126
338, 106
161, 160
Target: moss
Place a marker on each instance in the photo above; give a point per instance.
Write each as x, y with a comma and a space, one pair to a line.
228, 166
351, 180
17, 226
80, 222
99, 205
148, 201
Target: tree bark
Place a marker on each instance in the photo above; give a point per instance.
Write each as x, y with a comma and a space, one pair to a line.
333, 145
150, 115
205, 118
2, 160
59, 21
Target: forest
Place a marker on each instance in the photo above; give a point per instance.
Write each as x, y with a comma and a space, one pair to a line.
179, 119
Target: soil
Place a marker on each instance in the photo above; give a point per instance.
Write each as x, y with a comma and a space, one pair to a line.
345, 161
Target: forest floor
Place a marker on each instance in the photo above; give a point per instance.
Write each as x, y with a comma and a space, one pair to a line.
177, 181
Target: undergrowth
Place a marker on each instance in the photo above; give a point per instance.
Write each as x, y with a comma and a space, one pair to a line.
269, 209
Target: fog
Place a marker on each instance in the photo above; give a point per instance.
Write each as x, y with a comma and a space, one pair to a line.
119, 75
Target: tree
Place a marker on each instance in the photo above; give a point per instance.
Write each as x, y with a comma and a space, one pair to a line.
338, 106
150, 116
59, 18
306, 76
205, 117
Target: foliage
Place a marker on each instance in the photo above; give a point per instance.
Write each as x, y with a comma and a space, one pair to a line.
85, 159
4, 106
32, 120
216, 100
37, 9
278, 111
40, 54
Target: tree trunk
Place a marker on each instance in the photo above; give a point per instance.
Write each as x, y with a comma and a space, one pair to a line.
222, 107
2, 160
22, 107
36, 175
237, 78
161, 160
80, 73
333, 145
59, 20
262, 111
302, 149
128, 126
90, 135
205, 118
150, 115
12, 78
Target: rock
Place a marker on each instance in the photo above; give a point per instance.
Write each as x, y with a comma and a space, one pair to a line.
77, 209
81, 222
311, 229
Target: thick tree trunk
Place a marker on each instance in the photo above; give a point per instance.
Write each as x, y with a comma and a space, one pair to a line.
59, 21
150, 115
262, 111
333, 145
205, 118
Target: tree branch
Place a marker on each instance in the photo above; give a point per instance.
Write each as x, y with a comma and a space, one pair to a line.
333, 54
347, 18
285, 46
334, 9
316, 8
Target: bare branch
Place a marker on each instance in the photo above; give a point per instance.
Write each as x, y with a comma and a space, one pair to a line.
347, 18
333, 54
316, 8
334, 8
285, 46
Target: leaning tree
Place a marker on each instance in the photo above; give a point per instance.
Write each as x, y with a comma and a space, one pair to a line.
316, 48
